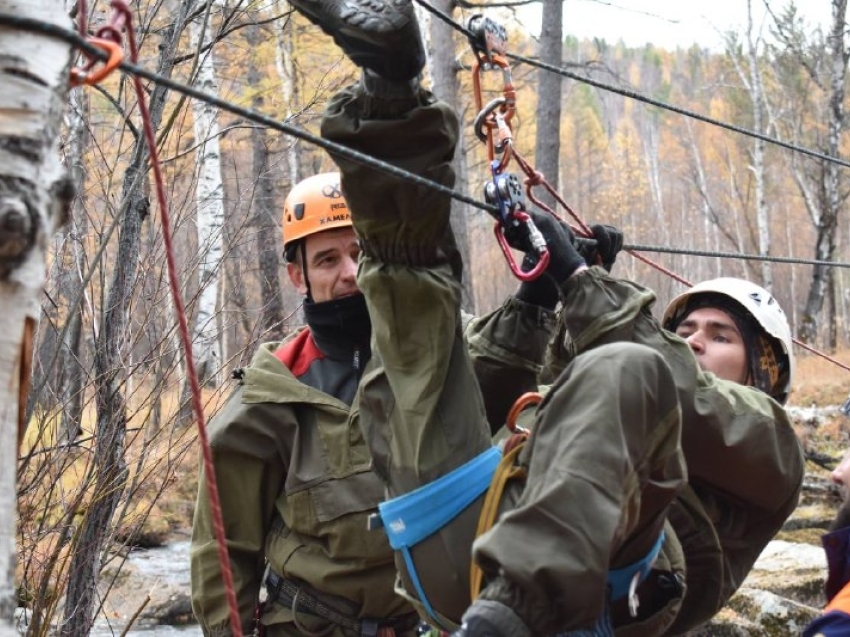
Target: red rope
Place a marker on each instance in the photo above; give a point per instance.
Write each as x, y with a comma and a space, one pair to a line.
82, 17
122, 16
535, 178
823, 355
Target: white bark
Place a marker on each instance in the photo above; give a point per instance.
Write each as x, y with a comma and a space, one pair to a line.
758, 99
289, 88
34, 81
210, 216
751, 77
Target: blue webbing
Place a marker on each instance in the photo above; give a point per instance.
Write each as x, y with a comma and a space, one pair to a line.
621, 579
412, 517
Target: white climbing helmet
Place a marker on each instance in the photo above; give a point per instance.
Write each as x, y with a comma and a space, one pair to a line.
758, 303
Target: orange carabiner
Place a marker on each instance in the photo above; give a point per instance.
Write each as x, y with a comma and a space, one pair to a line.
85, 74
528, 398
493, 122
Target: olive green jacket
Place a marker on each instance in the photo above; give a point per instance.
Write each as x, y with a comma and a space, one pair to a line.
296, 484
745, 464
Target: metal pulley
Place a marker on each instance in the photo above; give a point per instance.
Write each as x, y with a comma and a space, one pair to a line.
514, 226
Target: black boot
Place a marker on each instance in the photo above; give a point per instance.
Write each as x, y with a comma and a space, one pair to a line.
379, 35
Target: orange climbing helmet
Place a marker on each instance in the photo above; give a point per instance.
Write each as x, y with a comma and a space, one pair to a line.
314, 205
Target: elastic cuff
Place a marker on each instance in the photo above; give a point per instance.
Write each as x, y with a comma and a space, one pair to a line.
541, 292
383, 99
378, 86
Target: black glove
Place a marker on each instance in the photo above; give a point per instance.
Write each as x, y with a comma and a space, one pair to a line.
564, 259
609, 242
489, 618
541, 291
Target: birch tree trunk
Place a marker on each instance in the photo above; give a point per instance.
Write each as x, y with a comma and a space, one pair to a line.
289, 87
759, 170
209, 198
34, 199
751, 77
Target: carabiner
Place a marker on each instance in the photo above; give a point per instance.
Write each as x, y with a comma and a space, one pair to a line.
505, 192
528, 398
488, 40
85, 75
542, 254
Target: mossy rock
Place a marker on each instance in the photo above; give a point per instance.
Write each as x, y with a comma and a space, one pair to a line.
774, 616
810, 536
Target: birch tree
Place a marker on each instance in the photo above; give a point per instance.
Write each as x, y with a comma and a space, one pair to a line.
34, 199
285, 65
210, 206
750, 74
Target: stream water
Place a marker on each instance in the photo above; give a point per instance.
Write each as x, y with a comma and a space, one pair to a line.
167, 565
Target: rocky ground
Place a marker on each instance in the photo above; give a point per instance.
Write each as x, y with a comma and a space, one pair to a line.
778, 598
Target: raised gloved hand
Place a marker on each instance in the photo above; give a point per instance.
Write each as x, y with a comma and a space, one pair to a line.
609, 242
564, 259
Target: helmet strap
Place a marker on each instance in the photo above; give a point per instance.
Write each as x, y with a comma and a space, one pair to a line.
303, 253
766, 365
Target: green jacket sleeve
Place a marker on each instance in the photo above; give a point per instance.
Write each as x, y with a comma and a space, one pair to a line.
249, 475
507, 347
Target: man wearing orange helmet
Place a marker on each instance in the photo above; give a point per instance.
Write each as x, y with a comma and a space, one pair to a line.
659, 464
294, 473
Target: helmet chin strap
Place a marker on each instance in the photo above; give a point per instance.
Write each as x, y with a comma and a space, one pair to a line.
303, 251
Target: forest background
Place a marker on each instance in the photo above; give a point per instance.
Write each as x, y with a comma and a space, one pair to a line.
110, 449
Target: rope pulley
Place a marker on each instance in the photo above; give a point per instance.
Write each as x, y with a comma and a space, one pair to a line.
514, 225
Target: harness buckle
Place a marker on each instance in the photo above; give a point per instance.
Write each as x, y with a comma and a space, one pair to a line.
634, 602
374, 522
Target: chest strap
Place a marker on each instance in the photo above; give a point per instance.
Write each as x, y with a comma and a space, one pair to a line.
414, 516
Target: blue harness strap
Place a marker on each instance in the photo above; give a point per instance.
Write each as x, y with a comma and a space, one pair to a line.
412, 517
620, 580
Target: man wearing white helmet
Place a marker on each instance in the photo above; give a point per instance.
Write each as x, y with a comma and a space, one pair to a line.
294, 474
718, 316
648, 486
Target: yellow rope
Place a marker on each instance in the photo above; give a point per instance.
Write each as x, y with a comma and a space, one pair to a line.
507, 470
